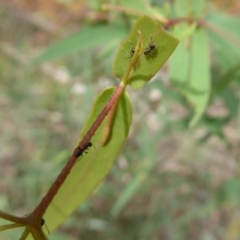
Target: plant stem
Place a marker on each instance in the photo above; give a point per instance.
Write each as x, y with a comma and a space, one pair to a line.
39, 211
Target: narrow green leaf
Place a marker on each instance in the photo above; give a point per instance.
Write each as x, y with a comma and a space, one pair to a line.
143, 7
199, 7
135, 5
190, 72
226, 52
181, 8
189, 8
225, 37
137, 183
128, 193
228, 192
85, 39
147, 65
231, 101
227, 22
233, 74
9, 226
92, 167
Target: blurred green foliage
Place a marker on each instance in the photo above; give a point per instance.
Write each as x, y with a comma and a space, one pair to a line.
169, 182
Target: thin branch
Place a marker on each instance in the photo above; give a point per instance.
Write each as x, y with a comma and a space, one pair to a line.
47, 199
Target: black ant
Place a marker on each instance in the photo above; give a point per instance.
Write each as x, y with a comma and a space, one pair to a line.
132, 52
80, 151
148, 50
43, 223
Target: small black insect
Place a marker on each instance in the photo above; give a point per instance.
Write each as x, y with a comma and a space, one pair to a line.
150, 48
132, 52
80, 151
43, 223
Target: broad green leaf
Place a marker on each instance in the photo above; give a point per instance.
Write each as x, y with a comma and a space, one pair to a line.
85, 39
147, 65
91, 169
190, 72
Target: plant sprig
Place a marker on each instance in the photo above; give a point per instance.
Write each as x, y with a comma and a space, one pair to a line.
145, 61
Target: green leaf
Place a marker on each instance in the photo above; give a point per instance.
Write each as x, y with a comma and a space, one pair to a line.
91, 169
222, 82
231, 101
224, 35
226, 53
228, 192
134, 5
181, 8
227, 22
186, 8
138, 181
127, 194
190, 72
187, 30
141, 7
85, 39
147, 65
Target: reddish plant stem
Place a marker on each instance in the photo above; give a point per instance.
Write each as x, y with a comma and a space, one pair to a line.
114, 99
175, 21
39, 211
